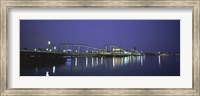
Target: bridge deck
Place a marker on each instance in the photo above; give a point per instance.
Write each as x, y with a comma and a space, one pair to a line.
77, 54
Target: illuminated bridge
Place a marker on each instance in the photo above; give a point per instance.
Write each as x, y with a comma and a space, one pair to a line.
55, 54
69, 49
83, 49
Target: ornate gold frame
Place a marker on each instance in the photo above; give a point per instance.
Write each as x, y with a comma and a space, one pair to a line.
5, 5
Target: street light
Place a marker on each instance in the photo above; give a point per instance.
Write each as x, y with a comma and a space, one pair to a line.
54, 47
49, 42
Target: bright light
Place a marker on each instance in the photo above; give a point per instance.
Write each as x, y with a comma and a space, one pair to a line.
141, 51
47, 73
35, 49
47, 49
50, 50
49, 42
87, 51
116, 49
54, 69
125, 52
76, 51
69, 50
159, 52
64, 50
54, 47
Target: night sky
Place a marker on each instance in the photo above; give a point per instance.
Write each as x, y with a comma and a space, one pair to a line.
145, 35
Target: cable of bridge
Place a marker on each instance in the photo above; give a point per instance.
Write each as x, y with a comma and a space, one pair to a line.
80, 45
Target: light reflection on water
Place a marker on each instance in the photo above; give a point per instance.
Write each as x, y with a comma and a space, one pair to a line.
54, 69
112, 66
82, 63
86, 61
159, 62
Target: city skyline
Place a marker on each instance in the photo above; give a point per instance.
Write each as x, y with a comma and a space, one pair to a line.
146, 35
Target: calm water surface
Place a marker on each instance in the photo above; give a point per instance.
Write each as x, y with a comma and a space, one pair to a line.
108, 66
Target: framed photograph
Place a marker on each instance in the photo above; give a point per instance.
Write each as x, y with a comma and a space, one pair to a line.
121, 47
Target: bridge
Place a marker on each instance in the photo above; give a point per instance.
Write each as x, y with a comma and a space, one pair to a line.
84, 50
66, 48
70, 49
59, 53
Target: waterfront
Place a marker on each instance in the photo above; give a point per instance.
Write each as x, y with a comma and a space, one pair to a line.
105, 66
100, 47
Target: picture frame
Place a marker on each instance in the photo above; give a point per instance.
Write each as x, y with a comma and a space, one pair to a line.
4, 49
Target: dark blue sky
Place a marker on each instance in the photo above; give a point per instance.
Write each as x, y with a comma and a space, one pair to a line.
146, 35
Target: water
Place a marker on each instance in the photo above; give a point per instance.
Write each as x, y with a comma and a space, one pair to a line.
108, 66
